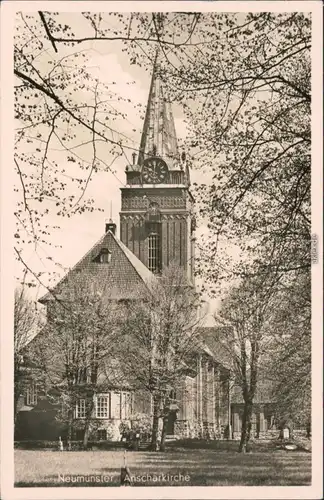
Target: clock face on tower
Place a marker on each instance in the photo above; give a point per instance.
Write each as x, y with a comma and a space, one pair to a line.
154, 170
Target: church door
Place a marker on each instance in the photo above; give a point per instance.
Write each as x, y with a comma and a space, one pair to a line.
172, 418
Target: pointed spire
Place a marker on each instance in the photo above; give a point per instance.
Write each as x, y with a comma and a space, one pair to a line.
158, 135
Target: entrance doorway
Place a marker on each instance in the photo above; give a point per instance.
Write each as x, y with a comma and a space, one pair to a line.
172, 418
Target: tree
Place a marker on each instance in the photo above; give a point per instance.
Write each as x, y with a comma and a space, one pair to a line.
162, 337
247, 96
244, 82
246, 92
71, 126
26, 322
75, 348
290, 365
247, 311
63, 115
248, 76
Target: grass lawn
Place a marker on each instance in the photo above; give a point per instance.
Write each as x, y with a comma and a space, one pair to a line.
214, 464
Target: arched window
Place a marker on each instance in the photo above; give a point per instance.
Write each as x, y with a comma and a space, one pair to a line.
154, 251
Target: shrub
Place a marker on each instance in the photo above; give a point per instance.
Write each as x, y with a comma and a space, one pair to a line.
36, 444
141, 422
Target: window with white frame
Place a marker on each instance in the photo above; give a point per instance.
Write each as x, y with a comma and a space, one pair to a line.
31, 394
126, 405
102, 406
64, 408
80, 410
115, 405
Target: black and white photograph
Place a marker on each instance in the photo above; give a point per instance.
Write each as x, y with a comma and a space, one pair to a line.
161, 249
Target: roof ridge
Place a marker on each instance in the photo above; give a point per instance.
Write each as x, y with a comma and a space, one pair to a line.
132, 257
142, 271
50, 292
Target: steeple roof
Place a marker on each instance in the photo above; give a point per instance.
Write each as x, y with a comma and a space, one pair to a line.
159, 135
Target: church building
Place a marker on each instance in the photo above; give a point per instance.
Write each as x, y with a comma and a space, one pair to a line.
157, 228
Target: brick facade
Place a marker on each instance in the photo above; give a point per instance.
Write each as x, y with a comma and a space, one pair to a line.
175, 205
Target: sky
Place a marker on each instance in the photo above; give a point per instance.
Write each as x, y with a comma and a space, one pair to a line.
107, 62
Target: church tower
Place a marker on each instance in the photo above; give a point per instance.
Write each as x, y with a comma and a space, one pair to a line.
156, 218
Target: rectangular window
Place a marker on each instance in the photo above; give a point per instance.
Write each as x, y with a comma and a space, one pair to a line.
31, 395
102, 407
80, 411
154, 252
78, 434
64, 408
115, 405
173, 396
126, 405
102, 434
82, 375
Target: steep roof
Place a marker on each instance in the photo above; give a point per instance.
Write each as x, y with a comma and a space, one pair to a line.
209, 336
159, 135
122, 278
123, 274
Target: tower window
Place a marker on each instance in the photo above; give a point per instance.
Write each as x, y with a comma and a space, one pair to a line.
154, 251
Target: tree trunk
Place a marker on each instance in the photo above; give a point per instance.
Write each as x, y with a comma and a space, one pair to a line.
70, 428
246, 427
155, 424
87, 423
86, 434
164, 431
16, 400
18, 389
